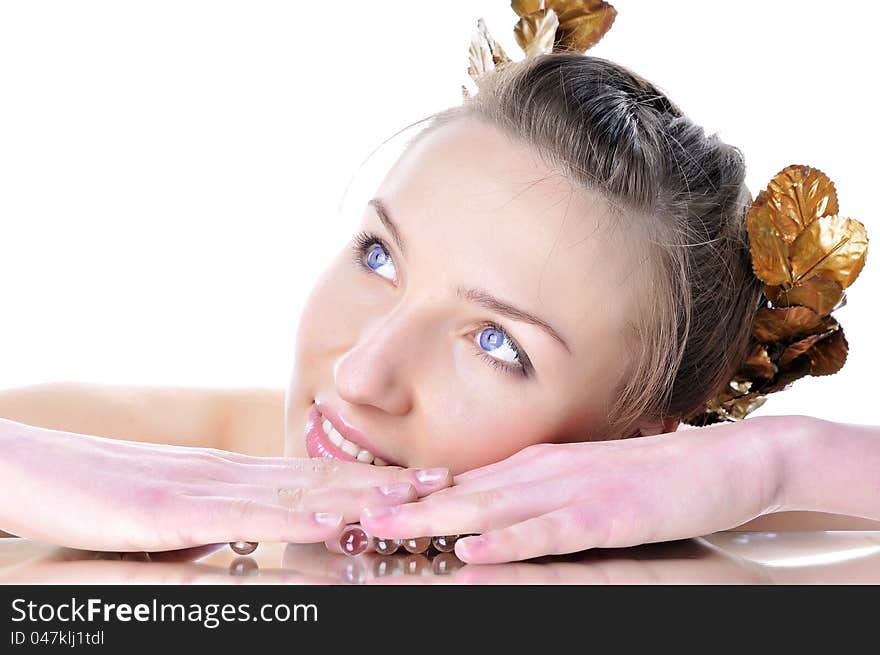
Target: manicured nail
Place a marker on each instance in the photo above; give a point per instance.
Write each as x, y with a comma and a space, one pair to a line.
473, 543
353, 540
326, 518
431, 476
381, 512
396, 490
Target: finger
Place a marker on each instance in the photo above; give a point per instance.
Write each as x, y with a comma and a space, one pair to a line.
347, 501
215, 519
322, 472
537, 460
518, 462
185, 554
334, 546
567, 530
464, 512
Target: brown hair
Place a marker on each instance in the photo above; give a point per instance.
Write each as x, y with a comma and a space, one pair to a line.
615, 133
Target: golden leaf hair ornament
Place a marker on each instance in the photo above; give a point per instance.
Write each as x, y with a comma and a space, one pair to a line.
807, 255
544, 27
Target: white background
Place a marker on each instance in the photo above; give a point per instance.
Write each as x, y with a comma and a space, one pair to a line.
171, 172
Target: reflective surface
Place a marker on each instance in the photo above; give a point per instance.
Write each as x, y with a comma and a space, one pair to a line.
722, 558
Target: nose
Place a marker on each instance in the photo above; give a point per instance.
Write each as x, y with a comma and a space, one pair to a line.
380, 367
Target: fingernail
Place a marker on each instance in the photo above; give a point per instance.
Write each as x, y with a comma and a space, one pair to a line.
326, 518
380, 512
396, 490
472, 543
431, 476
353, 540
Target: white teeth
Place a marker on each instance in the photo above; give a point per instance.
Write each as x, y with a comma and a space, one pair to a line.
362, 454
335, 437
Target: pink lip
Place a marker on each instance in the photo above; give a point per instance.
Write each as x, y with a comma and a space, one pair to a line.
317, 443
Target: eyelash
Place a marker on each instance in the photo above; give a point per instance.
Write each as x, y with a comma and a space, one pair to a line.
363, 240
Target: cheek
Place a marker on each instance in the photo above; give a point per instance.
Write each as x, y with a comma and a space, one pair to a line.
326, 327
478, 417
487, 436
330, 314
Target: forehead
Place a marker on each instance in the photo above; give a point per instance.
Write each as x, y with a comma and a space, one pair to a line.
479, 208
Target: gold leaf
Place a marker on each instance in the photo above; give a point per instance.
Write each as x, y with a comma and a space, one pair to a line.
582, 23
807, 256
739, 408
523, 7
758, 365
734, 409
769, 249
818, 293
793, 370
485, 53
783, 323
734, 389
535, 32
798, 195
799, 348
829, 355
832, 245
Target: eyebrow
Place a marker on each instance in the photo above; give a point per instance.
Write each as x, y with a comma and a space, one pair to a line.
474, 295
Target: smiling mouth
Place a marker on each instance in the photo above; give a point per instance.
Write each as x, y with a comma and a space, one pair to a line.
324, 440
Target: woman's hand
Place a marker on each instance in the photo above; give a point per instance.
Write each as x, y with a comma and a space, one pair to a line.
95, 493
562, 498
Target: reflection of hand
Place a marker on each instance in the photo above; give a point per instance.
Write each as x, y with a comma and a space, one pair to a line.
691, 561
804, 557
70, 566
562, 498
372, 568
106, 494
679, 562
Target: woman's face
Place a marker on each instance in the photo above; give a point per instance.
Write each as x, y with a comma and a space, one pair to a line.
485, 311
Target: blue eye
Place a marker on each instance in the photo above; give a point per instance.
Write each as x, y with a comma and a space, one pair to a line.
371, 255
493, 339
377, 257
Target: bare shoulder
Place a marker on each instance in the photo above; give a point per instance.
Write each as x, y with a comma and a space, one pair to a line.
253, 421
172, 415
246, 420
